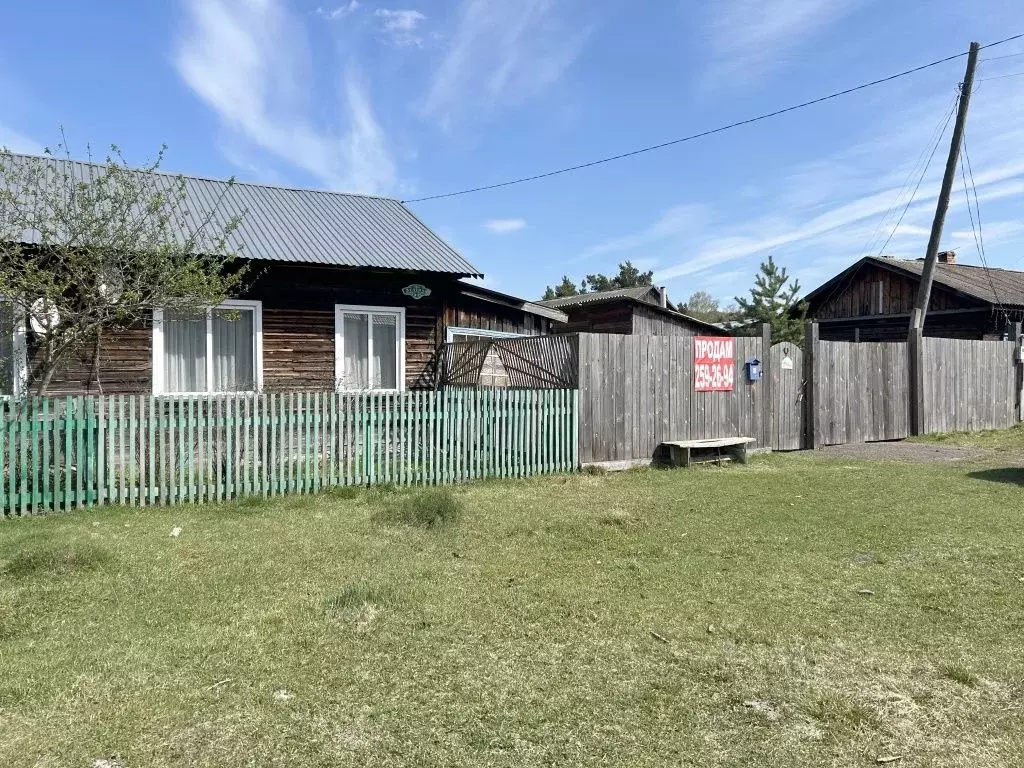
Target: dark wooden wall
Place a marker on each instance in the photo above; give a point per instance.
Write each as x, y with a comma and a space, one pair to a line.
605, 317
651, 322
852, 312
626, 317
298, 329
898, 294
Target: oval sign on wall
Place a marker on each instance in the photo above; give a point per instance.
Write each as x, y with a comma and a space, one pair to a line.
416, 291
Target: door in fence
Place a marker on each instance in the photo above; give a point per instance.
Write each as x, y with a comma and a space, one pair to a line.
786, 368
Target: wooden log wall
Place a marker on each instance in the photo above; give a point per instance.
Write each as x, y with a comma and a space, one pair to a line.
637, 391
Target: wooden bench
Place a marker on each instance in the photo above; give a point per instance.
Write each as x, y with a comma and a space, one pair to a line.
683, 453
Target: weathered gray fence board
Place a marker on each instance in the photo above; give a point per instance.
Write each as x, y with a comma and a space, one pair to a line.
968, 385
787, 423
645, 396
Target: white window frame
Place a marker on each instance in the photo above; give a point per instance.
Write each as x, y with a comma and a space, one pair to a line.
457, 330
19, 350
339, 344
159, 372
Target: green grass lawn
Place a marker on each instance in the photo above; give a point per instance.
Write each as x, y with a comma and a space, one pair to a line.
794, 612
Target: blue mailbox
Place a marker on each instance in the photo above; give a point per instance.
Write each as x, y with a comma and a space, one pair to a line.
753, 369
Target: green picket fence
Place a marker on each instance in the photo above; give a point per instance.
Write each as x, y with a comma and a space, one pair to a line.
68, 453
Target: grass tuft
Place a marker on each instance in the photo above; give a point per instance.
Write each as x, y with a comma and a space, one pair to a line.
431, 508
958, 673
56, 560
345, 492
836, 711
594, 469
358, 595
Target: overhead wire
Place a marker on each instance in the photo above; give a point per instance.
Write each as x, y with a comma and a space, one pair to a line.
979, 237
915, 171
709, 132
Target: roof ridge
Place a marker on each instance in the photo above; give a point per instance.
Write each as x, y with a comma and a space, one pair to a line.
201, 177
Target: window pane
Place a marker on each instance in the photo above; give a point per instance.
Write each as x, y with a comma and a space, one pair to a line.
356, 363
6, 349
234, 344
385, 351
185, 351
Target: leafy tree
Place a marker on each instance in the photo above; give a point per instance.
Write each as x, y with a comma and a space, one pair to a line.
107, 248
773, 300
629, 276
565, 288
703, 306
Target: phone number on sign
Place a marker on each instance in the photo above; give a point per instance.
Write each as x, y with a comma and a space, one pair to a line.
711, 377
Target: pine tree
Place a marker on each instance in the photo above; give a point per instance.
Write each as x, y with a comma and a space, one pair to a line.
565, 288
774, 300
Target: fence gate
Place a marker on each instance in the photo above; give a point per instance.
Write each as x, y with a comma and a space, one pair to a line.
786, 368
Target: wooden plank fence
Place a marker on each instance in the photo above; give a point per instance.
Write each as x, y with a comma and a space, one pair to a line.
968, 385
861, 392
67, 453
637, 391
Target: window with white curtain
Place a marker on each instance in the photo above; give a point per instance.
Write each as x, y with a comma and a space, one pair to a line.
208, 351
369, 347
12, 349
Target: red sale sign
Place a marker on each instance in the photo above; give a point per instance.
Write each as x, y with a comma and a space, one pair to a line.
713, 365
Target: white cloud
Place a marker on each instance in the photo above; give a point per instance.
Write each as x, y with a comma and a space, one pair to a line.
501, 53
505, 226
249, 62
339, 12
18, 142
400, 26
673, 223
751, 38
825, 213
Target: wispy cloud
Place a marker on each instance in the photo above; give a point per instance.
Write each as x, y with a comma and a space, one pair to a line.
338, 12
400, 26
505, 226
18, 142
687, 217
501, 53
825, 213
751, 38
249, 62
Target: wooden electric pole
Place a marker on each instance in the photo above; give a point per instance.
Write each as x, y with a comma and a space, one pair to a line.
915, 336
931, 256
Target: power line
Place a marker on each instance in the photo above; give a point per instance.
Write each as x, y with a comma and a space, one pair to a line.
1001, 77
979, 239
936, 136
709, 132
920, 180
1007, 56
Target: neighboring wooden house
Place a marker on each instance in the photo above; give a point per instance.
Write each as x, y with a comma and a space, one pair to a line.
347, 292
644, 311
872, 300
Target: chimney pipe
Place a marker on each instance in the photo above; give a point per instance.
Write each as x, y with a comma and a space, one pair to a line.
662, 296
947, 257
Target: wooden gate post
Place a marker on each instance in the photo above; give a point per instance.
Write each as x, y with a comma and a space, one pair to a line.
768, 410
810, 399
915, 365
1019, 367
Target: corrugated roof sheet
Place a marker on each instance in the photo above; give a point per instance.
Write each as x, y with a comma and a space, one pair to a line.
308, 225
999, 286
599, 296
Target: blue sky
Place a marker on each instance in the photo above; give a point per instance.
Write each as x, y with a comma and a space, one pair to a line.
410, 98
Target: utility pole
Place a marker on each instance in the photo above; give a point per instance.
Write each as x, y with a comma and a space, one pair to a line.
924, 291
915, 335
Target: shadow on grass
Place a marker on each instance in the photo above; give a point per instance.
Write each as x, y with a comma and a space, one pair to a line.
59, 560
1010, 475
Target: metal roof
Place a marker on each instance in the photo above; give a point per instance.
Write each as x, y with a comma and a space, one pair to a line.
600, 296
304, 225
